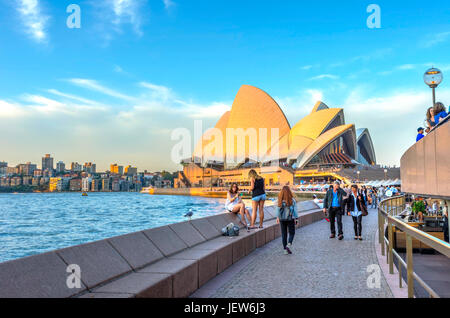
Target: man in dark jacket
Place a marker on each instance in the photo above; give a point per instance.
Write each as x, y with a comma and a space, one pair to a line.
334, 205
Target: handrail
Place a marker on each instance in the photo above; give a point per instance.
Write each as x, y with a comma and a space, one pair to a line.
387, 209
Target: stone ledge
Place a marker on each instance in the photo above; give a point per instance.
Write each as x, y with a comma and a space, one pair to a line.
170, 261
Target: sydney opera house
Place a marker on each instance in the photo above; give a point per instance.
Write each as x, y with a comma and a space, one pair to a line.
316, 148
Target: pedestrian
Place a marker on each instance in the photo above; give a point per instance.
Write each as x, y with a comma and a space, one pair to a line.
287, 217
333, 205
259, 197
356, 206
420, 134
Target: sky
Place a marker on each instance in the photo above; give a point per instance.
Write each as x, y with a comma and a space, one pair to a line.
113, 90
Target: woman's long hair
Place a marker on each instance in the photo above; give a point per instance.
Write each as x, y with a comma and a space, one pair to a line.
252, 174
286, 196
429, 113
439, 107
231, 188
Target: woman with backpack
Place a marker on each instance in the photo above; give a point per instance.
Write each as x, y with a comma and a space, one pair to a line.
287, 217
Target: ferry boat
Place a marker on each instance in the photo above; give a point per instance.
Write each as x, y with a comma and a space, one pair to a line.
147, 190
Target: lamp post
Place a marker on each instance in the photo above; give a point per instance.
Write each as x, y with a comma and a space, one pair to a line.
359, 172
433, 77
385, 174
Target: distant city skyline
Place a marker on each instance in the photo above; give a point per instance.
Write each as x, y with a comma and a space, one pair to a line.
115, 89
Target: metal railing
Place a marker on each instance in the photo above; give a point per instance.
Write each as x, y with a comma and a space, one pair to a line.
388, 210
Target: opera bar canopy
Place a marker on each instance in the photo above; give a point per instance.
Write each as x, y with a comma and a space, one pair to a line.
322, 139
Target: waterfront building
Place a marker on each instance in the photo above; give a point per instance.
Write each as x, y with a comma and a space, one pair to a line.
115, 185
106, 185
27, 180
47, 162
90, 167
76, 167
130, 171
16, 181
86, 184
60, 167
95, 185
58, 184
37, 173
26, 169
116, 169
35, 181
5, 182
317, 147
75, 184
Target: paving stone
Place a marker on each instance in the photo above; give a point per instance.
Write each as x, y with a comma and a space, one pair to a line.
98, 261
39, 276
137, 249
205, 228
166, 240
141, 285
319, 267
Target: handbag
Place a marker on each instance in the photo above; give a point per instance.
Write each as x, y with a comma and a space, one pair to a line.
363, 209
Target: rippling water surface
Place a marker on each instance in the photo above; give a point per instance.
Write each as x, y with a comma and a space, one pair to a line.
38, 222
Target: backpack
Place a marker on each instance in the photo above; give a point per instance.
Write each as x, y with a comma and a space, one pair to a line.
286, 212
230, 230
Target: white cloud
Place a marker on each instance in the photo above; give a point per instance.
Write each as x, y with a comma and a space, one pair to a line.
95, 86
168, 4
34, 20
324, 76
436, 39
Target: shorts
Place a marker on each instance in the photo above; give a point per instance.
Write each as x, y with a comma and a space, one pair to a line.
230, 206
261, 197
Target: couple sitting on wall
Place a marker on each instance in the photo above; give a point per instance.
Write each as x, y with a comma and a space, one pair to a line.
234, 203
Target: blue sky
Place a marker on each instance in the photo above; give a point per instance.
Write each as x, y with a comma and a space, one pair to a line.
114, 90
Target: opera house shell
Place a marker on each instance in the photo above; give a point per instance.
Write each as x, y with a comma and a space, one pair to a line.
321, 139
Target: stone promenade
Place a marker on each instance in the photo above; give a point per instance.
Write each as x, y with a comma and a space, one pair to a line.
319, 268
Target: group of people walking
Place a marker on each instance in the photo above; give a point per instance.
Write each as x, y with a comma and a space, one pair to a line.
337, 202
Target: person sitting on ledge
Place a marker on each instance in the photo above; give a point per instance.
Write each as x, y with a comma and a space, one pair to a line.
420, 134
440, 113
235, 205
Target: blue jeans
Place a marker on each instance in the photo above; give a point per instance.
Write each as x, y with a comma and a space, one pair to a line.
261, 197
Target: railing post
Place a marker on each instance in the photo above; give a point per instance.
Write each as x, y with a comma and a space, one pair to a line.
391, 242
409, 263
400, 282
381, 233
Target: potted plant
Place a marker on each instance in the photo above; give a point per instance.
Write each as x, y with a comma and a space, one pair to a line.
418, 208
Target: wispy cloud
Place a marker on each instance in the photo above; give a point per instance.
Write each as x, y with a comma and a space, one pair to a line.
33, 19
93, 85
436, 39
168, 4
324, 76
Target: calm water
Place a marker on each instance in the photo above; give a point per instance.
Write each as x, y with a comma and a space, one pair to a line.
38, 222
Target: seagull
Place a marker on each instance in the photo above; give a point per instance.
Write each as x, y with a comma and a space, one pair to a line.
189, 214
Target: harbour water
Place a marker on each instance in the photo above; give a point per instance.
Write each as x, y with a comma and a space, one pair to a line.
39, 222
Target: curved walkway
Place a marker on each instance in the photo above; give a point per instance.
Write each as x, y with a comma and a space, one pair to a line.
319, 268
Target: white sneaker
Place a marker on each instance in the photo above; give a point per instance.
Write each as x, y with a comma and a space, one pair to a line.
286, 252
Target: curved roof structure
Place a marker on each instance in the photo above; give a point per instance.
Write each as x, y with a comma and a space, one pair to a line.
320, 137
252, 110
365, 146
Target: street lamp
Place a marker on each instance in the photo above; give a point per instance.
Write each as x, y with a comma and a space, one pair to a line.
385, 174
359, 172
433, 77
